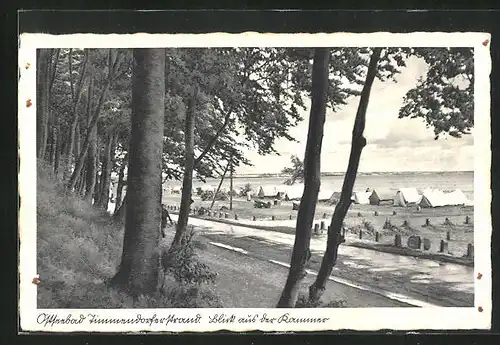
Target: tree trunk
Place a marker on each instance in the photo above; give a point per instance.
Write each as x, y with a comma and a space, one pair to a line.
76, 151
91, 167
139, 268
42, 100
86, 143
187, 183
358, 142
58, 153
220, 184
119, 215
82, 182
312, 179
121, 183
231, 183
107, 166
75, 98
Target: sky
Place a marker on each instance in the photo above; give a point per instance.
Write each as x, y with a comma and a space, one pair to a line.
392, 144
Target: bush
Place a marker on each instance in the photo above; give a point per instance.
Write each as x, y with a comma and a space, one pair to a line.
209, 195
199, 191
304, 302
245, 189
182, 263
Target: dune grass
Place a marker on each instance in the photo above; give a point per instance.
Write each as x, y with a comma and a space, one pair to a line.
79, 249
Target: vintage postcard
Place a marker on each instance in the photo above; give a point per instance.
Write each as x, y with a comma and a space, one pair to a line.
273, 182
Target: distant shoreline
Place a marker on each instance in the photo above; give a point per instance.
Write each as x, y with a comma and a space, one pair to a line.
375, 173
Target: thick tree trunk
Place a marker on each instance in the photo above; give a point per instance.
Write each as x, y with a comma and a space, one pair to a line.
312, 179
358, 142
121, 183
187, 183
139, 268
91, 167
42, 100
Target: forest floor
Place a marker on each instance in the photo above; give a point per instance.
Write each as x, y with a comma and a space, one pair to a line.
366, 218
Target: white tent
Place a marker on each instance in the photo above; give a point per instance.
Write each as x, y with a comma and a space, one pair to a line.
457, 197
406, 196
436, 198
294, 192
362, 198
433, 198
267, 192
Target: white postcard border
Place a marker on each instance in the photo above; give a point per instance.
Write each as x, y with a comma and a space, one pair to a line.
33, 319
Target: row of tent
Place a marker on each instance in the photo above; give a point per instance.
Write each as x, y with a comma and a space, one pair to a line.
403, 197
410, 196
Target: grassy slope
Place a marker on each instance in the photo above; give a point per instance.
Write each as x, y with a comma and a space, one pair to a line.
78, 251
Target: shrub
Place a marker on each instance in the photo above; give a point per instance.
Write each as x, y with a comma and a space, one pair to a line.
182, 263
209, 195
245, 189
304, 302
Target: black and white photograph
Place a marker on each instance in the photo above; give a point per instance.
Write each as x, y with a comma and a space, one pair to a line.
243, 182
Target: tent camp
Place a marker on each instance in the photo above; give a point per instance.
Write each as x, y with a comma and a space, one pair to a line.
294, 192
267, 192
362, 198
406, 196
437, 198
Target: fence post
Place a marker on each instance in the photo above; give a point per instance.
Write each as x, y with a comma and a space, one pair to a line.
397, 240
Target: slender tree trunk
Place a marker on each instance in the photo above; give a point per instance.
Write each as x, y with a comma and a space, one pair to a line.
76, 95
312, 179
220, 184
187, 183
139, 268
121, 183
82, 182
358, 142
214, 138
58, 153
231, 183
107, 166
76, 151
86, 143
91, 168
42, 102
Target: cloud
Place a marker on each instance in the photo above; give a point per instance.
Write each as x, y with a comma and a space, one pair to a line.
393, 144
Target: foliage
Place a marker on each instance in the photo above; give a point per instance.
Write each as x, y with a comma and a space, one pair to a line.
208, 195
296, 171
182, 263
444, 98
247, 188
303, 301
